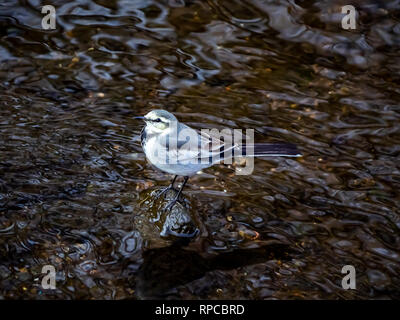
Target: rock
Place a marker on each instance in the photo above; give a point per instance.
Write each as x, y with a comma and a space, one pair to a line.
176, 222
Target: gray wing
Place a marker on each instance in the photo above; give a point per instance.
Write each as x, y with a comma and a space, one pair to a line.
194, 146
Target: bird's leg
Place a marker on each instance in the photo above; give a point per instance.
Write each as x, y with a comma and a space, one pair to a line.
172, 202
163, 191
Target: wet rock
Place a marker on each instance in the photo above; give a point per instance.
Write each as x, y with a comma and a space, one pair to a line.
177, 221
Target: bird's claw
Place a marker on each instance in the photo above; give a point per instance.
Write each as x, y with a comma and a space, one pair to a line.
170, 205
163, 192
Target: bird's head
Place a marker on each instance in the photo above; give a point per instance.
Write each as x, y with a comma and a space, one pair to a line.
158, 121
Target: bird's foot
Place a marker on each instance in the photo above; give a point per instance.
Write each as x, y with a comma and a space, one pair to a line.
163, 192
170, 205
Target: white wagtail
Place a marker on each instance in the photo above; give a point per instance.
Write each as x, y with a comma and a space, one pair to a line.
175, 148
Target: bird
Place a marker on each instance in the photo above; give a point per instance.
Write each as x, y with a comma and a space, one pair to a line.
177, 149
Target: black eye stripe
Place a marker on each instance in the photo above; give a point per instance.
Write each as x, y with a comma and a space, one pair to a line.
158, 120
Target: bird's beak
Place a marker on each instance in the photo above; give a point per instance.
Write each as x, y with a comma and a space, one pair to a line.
140, 117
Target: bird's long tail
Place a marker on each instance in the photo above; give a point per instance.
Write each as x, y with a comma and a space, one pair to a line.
277, 149
281, 149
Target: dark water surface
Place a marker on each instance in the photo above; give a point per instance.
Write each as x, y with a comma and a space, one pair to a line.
76, 191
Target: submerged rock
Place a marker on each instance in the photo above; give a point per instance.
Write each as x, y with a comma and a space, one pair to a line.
176, 222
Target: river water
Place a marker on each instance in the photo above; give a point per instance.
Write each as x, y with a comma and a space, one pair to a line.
76, 191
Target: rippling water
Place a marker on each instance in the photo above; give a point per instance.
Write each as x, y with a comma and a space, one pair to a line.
76, 191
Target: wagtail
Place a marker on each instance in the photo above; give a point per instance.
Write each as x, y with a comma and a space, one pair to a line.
175, 148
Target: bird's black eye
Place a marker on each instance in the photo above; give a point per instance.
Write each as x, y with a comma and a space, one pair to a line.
158, 120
